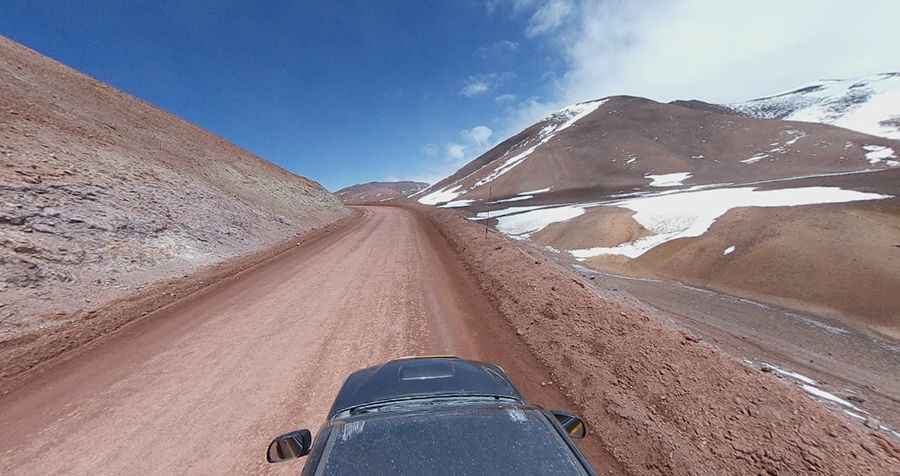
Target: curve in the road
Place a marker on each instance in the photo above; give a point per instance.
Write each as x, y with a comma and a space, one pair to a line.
201, 387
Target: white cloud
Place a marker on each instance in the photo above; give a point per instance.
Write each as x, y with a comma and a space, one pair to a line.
479, 136
455, 151
430, 150
718, 51
699, 49
498, 49
473, 142
549, 17
477, 85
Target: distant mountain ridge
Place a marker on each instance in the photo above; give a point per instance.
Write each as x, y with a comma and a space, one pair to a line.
379, 191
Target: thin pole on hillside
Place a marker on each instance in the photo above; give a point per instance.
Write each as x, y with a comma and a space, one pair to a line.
490, 198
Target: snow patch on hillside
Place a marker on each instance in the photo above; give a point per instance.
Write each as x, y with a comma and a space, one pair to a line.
556, 123
517, 198
690, 214
442, 195
756, 158
876, 154
506, 211
668, 180
822, 394
457, 204
789, 374
870, 105
522, 225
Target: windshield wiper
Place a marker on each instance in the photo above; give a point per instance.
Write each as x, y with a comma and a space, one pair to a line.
427, 401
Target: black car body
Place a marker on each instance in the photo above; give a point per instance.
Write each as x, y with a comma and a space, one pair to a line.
436, 415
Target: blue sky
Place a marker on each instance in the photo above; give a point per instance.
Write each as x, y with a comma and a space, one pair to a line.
341, 92
352, 91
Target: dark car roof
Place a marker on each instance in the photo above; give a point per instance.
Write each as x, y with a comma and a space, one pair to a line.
422, 377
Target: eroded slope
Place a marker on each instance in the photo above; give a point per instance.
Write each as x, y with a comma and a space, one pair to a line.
102, 194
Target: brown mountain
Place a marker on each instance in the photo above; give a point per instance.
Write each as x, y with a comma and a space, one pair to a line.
612, 145
374, 192
796, 213
103, 193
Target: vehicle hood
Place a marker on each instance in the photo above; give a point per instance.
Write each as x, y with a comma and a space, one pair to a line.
422, 377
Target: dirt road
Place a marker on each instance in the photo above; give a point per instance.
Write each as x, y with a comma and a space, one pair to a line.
201, 386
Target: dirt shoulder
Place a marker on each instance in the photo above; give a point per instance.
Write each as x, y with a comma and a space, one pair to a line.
23, 357
659, 399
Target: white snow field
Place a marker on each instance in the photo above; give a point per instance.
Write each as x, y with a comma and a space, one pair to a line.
690, 214
668, 180
669, 215
876, 154
523, 225
870, 105
442, 195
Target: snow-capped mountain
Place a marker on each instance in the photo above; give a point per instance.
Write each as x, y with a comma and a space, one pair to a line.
624, 144
515, 153
787, 211
870, 105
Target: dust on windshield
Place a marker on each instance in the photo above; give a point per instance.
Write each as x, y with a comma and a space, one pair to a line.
477, 440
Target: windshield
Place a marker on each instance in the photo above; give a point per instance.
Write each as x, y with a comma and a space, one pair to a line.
496, 439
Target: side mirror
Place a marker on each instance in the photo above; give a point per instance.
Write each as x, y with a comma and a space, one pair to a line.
573, 425
289, 446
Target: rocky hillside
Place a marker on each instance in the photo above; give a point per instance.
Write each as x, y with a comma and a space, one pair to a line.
103, 194
870, 105
697, 193
374, 192
623, 144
